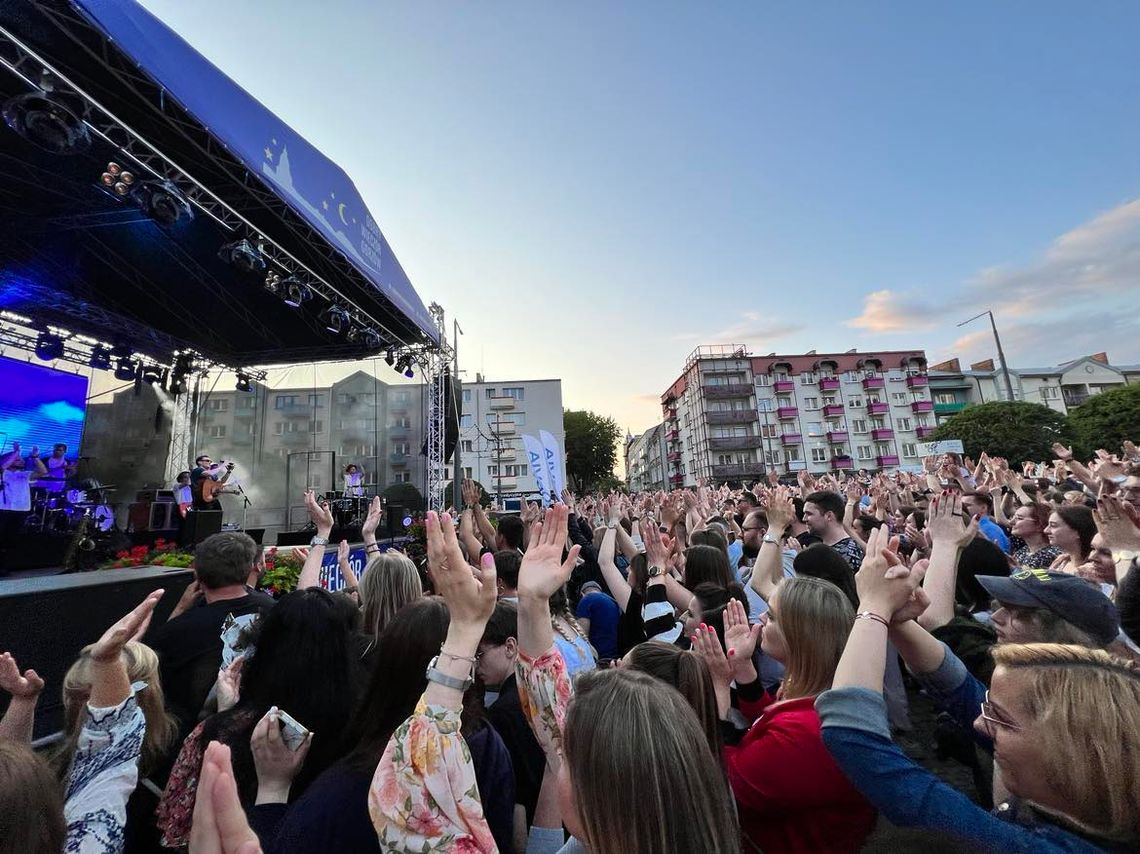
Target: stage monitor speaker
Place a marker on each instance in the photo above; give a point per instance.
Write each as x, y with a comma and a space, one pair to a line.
163, 516
258, 534
138, 516
396, 515
199, 525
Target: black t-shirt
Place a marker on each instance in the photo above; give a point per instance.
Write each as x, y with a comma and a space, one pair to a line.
189, 650
971, 641
631, 627
807, 538
527, 758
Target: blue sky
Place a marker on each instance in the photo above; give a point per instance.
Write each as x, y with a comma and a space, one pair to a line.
594, 189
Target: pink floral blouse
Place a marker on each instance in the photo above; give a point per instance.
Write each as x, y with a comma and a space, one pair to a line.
424, 796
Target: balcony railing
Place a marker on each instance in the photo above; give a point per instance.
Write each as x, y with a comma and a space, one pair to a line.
398, 459
503, 428
836, 436
742, 416
923, 432
882, 434
717, 392
501, 403
949, 408
506, 455
842, 463
1075, 399
791, 438
676, 477
917, 380
673, 456
922, 406
783, 386
887, 460
829, 383
833, 410
670, 414
872, 382
734, 443
738, 470
673, 435
878, 408
785, 412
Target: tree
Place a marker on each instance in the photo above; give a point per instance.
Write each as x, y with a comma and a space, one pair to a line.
591, 447
1016, 431
1106, 420
404, 495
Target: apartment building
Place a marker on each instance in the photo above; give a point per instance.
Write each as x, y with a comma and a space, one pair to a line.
1063, 387
734, 416
495, 416
645, 460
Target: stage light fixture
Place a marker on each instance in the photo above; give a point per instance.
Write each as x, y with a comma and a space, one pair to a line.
152, 374
273, 283
48, 121
371, 339
409, 373
177, 385
244, 382
335, 318
100, 358
126, 370
162, 201
296, 292
390, 357
49, 347
243, 255
404, 366
116, 179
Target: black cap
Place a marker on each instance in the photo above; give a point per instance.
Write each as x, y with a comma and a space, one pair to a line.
1070, 597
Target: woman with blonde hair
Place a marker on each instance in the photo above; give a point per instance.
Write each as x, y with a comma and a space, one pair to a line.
1062, 721
389, 582
791, 794
142, 667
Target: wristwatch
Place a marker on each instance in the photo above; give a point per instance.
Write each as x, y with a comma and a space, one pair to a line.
655, 571
1124, 554
319, 541
768, 538
441, 678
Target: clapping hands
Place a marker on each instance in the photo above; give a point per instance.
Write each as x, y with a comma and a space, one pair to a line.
543, 571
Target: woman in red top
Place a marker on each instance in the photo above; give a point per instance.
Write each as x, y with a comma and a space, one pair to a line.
791, 794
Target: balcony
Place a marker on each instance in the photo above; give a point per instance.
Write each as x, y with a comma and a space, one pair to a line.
834, 437
796, 465
719, 392
885, 460
743, 416
833, 410
923, 432
506, 455
829, 383
881, 434
676, 477
787, 412
398, 459
503, 428
783, 386
738, 470
872, 382
397, 430
878, 408
917, 380
842, 463
505, 483
1073, 399
671, 414
791, 438
673, 456
673, 435
922, 406
501, 403
245, 412
734, 443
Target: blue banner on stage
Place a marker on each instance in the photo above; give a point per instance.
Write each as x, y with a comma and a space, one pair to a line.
330, 577
316, 188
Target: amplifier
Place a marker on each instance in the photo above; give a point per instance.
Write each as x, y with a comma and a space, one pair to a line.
154, 495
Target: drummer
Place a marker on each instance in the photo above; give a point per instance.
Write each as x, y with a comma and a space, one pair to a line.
59, 469
353, 481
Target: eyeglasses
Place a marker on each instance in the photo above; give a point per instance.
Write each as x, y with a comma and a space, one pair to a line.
753, 528
989, 715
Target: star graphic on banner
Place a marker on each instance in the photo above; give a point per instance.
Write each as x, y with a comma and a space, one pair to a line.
268, 154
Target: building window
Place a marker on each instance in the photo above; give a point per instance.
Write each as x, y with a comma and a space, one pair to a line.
858, 425
923, 421
864, 452
909, 450
762, 380
769, 431
780, 376
400, 448
218, 405
490, 392
283, 401
218, 431
468, 445
807, 379
903, 423
811, 403
772, 458
1049, 392
815, 428
517, 418
467, 472
493, 471
316, 426
819, 455
793, 454
467, 420
764, 405
516, 393
898, 398
316, 400
829, 400
834, 426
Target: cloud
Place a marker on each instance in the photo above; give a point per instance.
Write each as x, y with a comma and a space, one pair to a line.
749, 328
887, 311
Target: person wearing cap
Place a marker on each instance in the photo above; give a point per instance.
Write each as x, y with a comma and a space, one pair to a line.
599, 616
1039, 606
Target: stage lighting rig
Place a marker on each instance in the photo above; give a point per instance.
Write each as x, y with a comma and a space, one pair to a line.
162, 201
152, 374
404, 366
296, 292
244, 382
243, 255
390, 357
100, 358
49, 346
335, 318
116, 179
49, 121
126, 370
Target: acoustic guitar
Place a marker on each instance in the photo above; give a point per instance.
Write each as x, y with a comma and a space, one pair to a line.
211, 488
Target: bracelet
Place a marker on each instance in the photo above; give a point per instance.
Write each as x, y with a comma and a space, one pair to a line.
445, 654
871, 615
372, 548
441, 678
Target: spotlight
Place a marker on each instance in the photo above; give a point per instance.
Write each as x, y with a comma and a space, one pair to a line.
335, 318
49, 347
273, 283
152, 374
177, 384
116, 179
409, 373
404, 366
162, 201
390, 357
126, 370
243, 255
296, 292
100, 358
46, 120
371, 339
244, 382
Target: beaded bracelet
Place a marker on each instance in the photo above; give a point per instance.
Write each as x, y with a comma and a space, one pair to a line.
871, 615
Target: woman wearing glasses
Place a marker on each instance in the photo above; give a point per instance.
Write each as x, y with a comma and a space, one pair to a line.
1062, 721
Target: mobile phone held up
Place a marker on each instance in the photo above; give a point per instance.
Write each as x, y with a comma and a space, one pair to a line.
292, 733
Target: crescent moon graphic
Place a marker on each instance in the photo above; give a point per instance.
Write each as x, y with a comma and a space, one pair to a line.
340, 213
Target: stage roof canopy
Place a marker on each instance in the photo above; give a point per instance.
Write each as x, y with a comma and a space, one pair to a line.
74, 253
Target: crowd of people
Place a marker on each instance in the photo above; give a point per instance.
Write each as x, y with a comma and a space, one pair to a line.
713, 669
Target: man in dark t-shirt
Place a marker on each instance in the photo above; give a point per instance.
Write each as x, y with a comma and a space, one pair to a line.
189, 644
599, 615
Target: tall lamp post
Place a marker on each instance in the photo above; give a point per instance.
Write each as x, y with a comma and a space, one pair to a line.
1001, 353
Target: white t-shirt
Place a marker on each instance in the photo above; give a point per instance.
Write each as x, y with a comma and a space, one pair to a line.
17, 491
182, 493
56, 478
352, 483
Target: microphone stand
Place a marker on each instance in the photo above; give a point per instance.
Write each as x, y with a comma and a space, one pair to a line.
246, 504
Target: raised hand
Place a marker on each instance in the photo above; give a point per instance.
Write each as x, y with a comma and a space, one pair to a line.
300, 553
469, 593
781, 511
319, 513
885, 585
131, 627
276, 764
707, 646
543, 570
342, 552
740, 638
229, 684
945, 523
919, 599
25, 687
1118, 523
220, 825
372, 520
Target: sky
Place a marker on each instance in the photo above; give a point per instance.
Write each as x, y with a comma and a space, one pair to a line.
594, 189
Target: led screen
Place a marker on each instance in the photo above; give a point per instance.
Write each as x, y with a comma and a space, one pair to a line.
40, 406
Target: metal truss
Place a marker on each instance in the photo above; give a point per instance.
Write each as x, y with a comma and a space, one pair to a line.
435, 366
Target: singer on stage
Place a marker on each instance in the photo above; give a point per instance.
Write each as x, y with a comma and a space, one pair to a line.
208, 481
353, 481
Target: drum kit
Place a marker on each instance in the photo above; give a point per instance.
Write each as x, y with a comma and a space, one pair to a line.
348, 510
60, 506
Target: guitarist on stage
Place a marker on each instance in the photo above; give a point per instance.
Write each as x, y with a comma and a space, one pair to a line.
207, 481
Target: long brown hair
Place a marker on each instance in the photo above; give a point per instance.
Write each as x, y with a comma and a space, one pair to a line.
388, 583
689, 674
31, 803
815, 618
643, 777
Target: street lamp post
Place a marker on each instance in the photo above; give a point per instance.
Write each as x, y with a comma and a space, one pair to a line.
1001, 353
